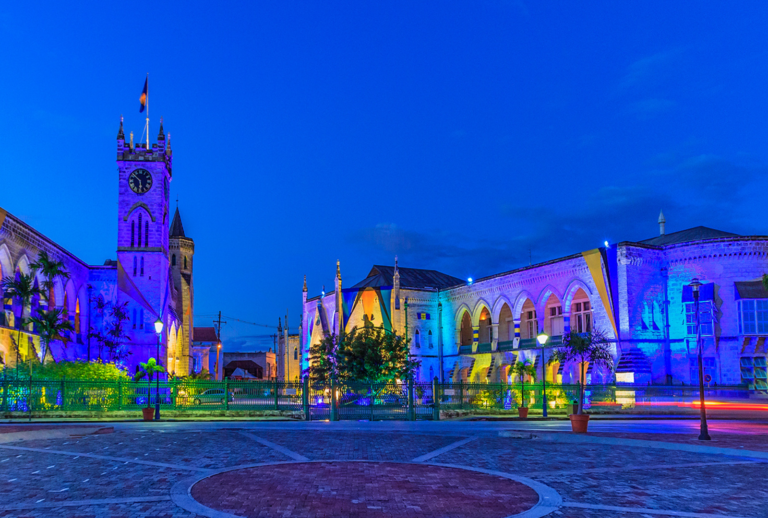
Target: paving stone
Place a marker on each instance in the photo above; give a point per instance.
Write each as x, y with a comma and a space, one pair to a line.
359, 445
363, 489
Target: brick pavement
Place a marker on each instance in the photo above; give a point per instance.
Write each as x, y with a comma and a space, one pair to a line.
624, 476
364, 489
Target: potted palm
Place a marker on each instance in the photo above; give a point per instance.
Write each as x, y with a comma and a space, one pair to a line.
148, 370
523, 369
592, 348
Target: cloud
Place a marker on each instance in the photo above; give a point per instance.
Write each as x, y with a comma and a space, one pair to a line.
646, 71
649, 108
697, 190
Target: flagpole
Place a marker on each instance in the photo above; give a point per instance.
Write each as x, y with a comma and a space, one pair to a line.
147, 111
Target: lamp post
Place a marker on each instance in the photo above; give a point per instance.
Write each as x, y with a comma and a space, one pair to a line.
159, 331
542, 339
216, 366
703, 433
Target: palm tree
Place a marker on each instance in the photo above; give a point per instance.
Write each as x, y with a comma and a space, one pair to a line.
582, 348
21, 289
50, 326
147, 370
51, 270
522, 369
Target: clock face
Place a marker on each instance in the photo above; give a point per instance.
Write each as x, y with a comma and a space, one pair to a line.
140, 181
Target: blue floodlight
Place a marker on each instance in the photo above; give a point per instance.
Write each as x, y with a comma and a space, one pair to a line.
469, 281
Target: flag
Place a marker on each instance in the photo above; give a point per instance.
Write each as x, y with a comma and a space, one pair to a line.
144, 93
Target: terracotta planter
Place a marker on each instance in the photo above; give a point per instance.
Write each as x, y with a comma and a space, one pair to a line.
148, 413
579, 422
522, 412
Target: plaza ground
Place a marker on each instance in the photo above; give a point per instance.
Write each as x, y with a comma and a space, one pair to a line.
623, 468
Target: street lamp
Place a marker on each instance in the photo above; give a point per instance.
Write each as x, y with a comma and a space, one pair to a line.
703, 433
542, 339
216, 366
159, 331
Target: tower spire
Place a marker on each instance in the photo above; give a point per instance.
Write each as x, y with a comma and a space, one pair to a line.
120, 134
161, 134
662, 223
305, 284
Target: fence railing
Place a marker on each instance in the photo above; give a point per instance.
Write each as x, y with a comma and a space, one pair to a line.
408, 400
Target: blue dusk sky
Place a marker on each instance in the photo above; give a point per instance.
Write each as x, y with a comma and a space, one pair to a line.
467, 137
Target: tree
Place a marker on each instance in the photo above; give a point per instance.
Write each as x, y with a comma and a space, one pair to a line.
522, 369
368, 355
51, 270
50, 326
22, 290
113, 332
584, 348
148, 370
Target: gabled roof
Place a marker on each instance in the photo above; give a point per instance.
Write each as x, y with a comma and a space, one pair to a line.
685, 236
381, 276
204, 334
177, 229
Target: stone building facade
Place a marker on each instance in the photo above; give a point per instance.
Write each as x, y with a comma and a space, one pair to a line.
636, 293
151, 278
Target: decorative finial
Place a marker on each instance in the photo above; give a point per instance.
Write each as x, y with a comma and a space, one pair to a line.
662, 223
161, 134
168, 147
338, 269
120, 134
131, 140
305, 284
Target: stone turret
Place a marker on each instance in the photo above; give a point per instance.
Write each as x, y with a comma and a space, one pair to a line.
339, 301
182, 251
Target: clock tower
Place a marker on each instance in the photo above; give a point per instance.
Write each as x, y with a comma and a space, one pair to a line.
144, 176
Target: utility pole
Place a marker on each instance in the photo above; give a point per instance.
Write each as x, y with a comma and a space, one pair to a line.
218, 345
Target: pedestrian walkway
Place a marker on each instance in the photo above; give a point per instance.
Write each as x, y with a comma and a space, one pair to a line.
365, 469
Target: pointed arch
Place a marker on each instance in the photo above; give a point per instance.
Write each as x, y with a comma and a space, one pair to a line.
22, 265
544, 295
70, 296
139, 205
517, 307
571, 290
460, 313
479, 305
6, 263
500, 301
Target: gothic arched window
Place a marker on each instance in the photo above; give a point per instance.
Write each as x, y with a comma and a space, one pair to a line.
141, 270
417, 339
133, 232
173, 260
139, 242
134, 318
295, 353
185, 262
146, 233
431, 345
134, 266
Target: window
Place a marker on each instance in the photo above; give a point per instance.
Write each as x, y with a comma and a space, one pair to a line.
753, 317
133, 320
139, 242
431, 345
185, 262
141, 270
134, 266
705, 318
581, 321
173, 260
146, 233
133, 232
431, 373
295, 353
141, 319
77, 316
417, 339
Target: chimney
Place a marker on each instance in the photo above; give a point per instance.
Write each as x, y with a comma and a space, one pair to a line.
662, 223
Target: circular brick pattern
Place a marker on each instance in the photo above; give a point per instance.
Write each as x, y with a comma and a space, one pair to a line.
363, 489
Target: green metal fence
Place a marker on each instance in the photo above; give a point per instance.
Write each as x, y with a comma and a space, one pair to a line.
401, 401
